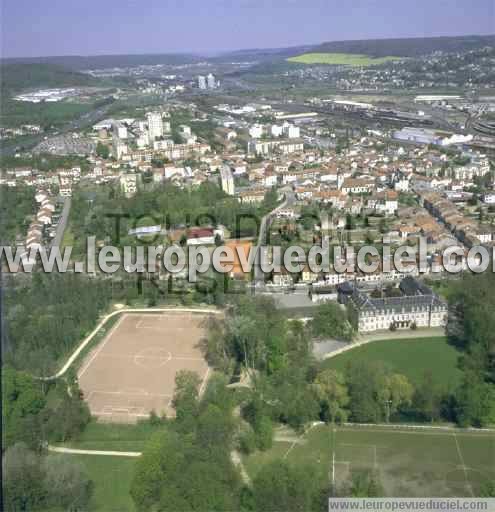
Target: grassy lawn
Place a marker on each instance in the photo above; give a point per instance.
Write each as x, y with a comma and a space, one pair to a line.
347, 59
114, 436
112, 478
411, 357
409, 462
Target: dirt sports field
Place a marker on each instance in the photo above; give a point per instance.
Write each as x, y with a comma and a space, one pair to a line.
132, 371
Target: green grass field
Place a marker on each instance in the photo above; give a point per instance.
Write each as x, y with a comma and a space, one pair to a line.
347, 59
114, 436
411, 357
112, 477
15, 113
409, 462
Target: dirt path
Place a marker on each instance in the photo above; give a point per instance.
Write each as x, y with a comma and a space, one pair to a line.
74, 451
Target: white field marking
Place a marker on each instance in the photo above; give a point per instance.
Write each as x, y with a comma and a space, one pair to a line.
185, 358
124, 312
203, 384
115, 412
100, 348
333, 456
333, 470
155, 358
358, 445
365, 445
463, 465
162, 360
400, 426
131, 393
139, 322
166, 328
291, 447
139, 356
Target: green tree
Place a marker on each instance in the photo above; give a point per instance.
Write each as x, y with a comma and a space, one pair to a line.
185, 400
66, 482
22, 481
476, 402
22, 402
102, 150
281, 486
331, 390
395, 392
330, 321
427, 398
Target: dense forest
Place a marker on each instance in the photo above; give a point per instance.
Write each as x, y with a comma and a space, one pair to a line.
18, 76
46, 315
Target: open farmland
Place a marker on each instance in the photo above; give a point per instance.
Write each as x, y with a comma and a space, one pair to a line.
340, 59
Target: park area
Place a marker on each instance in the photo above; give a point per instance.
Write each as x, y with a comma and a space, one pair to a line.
413, 358
132, 370
340, 59
409, 461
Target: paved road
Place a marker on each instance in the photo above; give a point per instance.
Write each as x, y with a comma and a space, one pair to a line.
62, 224
259, 277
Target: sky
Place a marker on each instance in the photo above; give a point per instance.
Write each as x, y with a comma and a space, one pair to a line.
31, 28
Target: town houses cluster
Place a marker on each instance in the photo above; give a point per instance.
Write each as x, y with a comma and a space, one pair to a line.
372, 188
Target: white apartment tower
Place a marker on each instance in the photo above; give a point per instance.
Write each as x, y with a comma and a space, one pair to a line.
155, 125
202, 82
212, 83
227, 180
120, 130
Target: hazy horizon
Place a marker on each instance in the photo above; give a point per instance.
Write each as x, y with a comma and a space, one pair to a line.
205, 28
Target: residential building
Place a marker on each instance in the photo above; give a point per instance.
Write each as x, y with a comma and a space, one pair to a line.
155, 125
128, 184
227, 180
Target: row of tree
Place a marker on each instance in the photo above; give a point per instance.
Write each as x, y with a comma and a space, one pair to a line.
473, 330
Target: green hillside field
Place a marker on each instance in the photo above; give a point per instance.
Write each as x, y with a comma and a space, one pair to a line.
340, 59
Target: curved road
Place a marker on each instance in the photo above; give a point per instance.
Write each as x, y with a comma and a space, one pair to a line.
259, 277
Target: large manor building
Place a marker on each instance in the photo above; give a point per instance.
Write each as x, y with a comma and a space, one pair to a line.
415, 305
